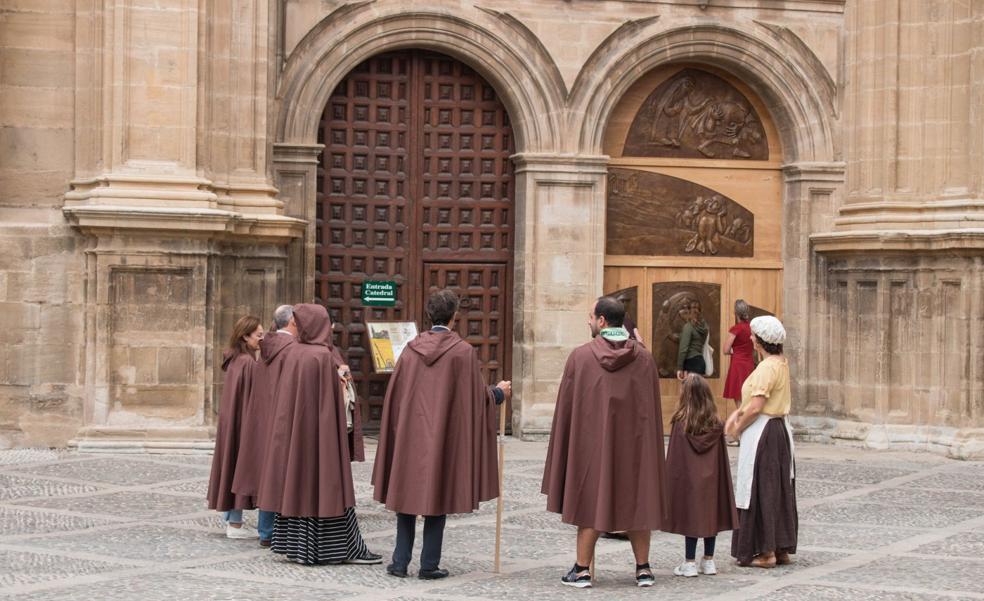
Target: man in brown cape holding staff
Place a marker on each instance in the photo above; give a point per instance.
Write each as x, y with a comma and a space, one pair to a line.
605, 465
436, 451
307, 476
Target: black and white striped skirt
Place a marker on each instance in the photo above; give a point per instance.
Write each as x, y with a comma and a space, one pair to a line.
319, 540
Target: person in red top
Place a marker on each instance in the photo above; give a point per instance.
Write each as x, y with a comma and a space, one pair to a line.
739, 346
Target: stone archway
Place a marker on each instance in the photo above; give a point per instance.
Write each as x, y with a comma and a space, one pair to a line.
798, 94
498, 48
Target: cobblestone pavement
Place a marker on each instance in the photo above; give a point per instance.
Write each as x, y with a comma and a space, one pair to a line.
91, 527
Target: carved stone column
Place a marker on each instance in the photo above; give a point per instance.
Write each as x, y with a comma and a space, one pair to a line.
560, 248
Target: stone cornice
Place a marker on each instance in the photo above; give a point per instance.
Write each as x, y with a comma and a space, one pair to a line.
199, 222
535, 162
899, 241
832, 172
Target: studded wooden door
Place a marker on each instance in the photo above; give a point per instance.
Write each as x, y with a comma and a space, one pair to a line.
415, 185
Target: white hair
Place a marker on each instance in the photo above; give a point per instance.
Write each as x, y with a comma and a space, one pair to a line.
281, 317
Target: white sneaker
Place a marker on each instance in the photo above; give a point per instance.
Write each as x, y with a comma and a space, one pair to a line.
687, 569
243, 532
707, 567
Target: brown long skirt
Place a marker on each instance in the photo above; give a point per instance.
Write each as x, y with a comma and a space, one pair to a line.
770, 523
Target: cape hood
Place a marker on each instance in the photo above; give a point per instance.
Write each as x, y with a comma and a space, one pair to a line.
272, 344
613, 356
702, 443
431, 345
228, 356
313, 324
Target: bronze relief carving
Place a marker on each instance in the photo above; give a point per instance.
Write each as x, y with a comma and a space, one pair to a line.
655, 214
673, 304
629, 298
696, 115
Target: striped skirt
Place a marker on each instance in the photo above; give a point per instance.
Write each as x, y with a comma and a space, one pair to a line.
319, 540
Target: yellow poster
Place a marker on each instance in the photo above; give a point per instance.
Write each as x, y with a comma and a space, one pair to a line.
387, 339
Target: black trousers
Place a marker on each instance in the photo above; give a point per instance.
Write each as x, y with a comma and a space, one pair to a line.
430, 554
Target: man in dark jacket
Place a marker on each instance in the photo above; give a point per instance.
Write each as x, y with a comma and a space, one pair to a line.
605, 464
436, 451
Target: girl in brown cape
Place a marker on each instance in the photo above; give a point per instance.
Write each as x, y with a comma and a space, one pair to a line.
701, 500
238, 362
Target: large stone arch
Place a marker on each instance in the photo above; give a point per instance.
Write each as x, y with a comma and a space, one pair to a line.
500, 48
800, 96
790, 79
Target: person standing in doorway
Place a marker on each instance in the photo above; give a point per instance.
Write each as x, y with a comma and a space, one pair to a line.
605, 466
436, 451
238, 363
690, 354
739, 346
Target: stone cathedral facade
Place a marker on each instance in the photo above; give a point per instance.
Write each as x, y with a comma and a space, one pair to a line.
167, 166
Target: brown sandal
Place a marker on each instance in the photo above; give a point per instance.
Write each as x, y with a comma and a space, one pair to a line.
763, 561
782, 558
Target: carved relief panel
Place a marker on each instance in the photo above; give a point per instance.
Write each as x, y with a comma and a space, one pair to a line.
655, 214
696, 115
673, 304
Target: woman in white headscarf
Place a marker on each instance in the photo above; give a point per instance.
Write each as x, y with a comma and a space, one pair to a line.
766, 488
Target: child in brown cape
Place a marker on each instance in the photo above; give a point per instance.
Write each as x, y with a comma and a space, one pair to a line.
701, 499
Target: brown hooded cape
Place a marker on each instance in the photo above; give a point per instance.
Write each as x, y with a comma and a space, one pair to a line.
258, 413
700, 497
605, 468
307, 472
436, 451
238, 381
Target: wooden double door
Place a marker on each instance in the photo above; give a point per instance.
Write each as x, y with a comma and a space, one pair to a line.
415, 185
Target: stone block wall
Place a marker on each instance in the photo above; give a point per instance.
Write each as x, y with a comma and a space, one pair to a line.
41, 257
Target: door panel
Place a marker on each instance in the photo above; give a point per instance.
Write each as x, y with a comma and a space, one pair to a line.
415, 168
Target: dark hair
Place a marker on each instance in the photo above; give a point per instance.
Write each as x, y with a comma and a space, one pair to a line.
612, 309
696, 411
246, 325
441, 307
769, 347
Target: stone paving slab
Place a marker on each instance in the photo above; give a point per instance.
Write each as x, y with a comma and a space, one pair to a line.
124, 472
87, 527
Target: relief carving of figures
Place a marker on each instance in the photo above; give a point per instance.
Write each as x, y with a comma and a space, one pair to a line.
653, 214
695, 114
673, 303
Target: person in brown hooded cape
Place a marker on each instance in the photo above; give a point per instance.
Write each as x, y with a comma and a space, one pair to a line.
307, 475
436, 451
258, 413
238, 364
605, 466
701, 500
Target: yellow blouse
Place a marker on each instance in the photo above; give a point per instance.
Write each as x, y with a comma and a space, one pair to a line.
771, 380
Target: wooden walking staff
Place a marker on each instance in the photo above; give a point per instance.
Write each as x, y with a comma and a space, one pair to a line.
502, 466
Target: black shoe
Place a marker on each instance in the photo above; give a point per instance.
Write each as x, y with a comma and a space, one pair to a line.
367, 559
393, 570
435, 574
615, 535
577, 579
644, 576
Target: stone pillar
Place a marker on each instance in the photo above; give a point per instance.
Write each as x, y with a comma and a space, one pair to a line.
172, 192
560, 253
295, 168
899, 269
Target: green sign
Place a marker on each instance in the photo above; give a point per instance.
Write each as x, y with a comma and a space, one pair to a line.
378, 294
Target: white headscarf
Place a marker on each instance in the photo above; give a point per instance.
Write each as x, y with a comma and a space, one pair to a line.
768, 329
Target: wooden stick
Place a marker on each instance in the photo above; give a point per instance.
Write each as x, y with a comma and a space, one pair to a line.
502, 467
